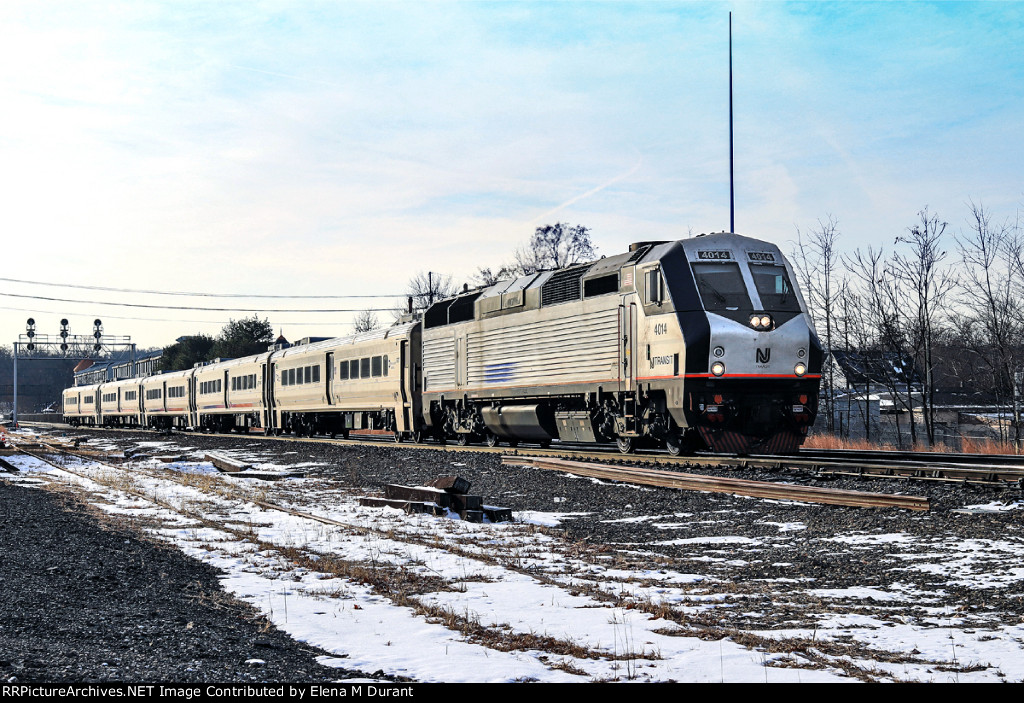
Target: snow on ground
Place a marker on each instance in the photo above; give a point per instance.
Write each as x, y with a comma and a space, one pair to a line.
511, 584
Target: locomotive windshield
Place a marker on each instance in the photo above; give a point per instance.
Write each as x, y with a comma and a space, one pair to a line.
774, 288
721, 286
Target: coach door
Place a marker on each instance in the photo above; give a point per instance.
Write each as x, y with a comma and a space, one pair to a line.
193, 401
329, 376
403, 380
267, 371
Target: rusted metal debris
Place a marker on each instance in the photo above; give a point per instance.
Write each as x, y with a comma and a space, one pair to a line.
715, 484
443, 494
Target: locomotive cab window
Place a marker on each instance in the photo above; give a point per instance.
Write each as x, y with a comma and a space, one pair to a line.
721, 286
774, 287
653, 293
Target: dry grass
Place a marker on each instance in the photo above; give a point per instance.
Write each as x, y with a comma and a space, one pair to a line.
969, 445
826, 441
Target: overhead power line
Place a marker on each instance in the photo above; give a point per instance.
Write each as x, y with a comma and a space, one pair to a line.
36, 311
202, 295
193, 307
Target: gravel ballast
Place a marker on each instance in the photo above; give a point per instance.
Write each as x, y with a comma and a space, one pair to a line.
129, 618
86, 601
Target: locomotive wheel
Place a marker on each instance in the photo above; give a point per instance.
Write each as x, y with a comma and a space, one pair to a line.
398, 437
491, 439
462, 439
627, 445
683, 443
417, 436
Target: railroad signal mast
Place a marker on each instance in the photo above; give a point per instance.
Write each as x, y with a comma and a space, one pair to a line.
32, 346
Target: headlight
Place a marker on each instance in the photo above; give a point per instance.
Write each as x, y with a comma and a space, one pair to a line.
800, 369
718, 368
755, 321
766, 321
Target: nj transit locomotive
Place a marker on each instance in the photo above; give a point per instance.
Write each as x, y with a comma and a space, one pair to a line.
702, 343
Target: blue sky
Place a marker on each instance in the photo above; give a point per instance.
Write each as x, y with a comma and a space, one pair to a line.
340, 148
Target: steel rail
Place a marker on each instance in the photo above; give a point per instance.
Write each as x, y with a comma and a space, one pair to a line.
715, 484
904, 455
924, 468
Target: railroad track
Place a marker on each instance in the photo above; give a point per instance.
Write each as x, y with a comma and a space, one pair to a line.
977, 469
716, 484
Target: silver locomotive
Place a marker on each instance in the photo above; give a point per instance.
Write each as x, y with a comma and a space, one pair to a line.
699, 343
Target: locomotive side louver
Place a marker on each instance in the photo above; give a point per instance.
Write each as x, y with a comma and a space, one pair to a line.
563, 285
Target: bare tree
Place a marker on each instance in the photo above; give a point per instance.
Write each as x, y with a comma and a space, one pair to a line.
992, 284
555, 246
878, 320
486, 276
816, 258
365, 321
929, 284
425, 289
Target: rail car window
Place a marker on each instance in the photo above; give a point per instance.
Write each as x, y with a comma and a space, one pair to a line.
375, 363
172, 392
316, 373
343, 371
307, 373
243, 383
364, 367
207, 387
157, 393
129, 395
721, 286
88, 399
385, 364
353, 367
774, 287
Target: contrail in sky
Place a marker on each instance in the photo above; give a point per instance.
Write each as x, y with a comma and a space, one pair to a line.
590, 192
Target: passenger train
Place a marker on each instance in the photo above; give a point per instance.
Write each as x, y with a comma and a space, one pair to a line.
698, 344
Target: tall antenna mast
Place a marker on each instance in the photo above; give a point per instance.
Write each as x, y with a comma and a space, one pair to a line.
732, 187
